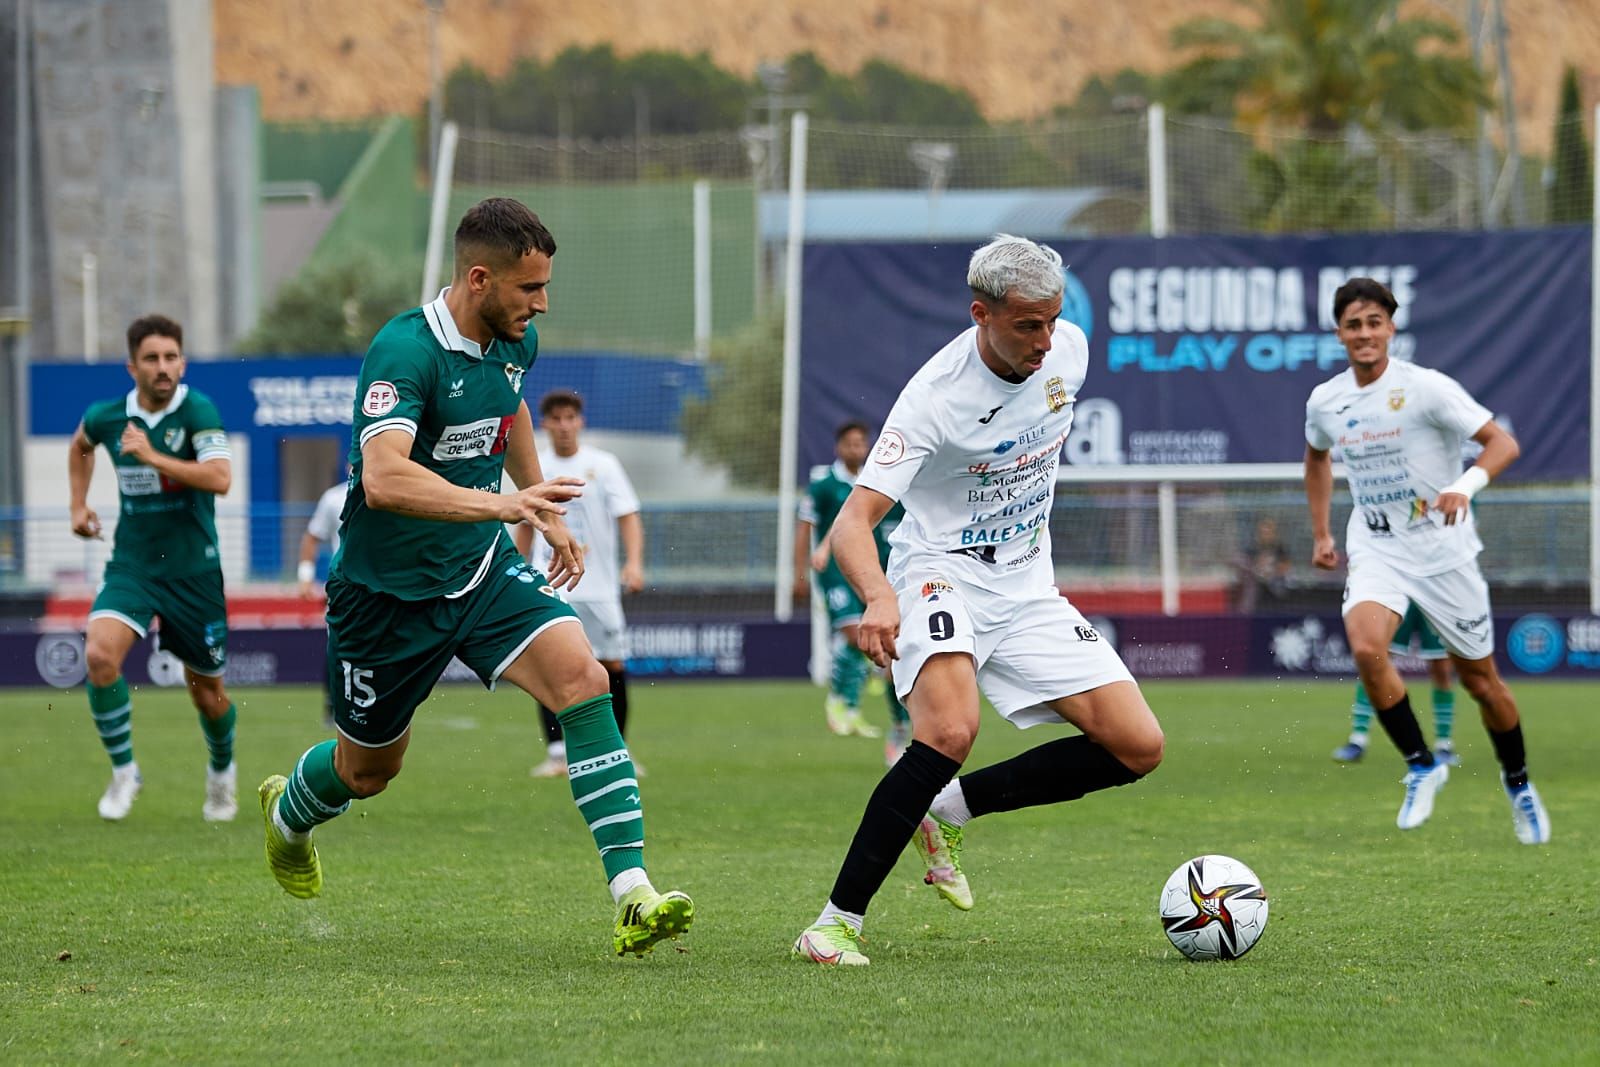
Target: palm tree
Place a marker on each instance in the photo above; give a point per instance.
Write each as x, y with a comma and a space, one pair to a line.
1322, 66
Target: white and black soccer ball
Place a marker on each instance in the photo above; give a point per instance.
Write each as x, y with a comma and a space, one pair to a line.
1214, 908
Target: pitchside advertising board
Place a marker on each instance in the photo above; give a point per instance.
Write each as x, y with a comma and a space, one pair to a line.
1204, 349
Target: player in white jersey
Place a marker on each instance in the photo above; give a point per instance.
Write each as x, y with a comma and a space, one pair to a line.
323, 529
608, 511
1399, 429
968, 604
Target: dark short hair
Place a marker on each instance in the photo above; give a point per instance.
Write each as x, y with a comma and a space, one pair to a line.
152, 326
560, 398
499, 231
1369, 289
847, 427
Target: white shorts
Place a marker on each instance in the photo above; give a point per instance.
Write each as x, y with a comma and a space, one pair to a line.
603, 625
1027, 651
1455, 603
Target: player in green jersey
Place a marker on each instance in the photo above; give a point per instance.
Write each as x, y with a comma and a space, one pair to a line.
171, 459
850, 668
425, 570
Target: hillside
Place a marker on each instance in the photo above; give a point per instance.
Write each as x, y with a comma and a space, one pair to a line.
315, 58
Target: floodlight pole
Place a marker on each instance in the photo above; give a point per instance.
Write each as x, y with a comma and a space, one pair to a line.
789, 421
1594, 383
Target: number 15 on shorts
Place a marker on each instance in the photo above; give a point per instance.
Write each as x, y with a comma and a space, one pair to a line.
357, 685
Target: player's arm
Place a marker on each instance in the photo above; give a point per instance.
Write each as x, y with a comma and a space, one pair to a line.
207, 475
856, 553
802, 557
392, 481
1319, 498
631, 529
1500, 449
80, 471
306, 570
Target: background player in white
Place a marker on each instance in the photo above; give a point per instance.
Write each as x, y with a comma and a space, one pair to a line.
322, 529
607, 513
971, 449
1411, 539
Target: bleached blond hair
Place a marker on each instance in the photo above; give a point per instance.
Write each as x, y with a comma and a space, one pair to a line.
1009, 265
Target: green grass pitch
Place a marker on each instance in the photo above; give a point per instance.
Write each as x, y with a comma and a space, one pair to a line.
465, 917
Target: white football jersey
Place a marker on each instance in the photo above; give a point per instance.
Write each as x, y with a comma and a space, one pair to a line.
324, 524
1400, 439
973, 458
607, 496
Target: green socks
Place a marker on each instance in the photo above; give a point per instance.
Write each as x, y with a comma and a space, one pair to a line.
1361, 711
316, 793
850, 670
604, 786
219, 738
112, 709
1444, 713
897, 710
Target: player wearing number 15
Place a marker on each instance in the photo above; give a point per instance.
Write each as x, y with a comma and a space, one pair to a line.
426, 572
171, 459
969, 602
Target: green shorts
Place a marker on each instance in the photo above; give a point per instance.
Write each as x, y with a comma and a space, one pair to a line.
192, 609
386, 654
844, 607
1415, 624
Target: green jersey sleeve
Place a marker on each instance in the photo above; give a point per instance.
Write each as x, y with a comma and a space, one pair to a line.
205, 428
397, 377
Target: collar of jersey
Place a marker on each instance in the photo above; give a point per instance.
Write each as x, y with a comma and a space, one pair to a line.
152, 417
841, 472
443, 326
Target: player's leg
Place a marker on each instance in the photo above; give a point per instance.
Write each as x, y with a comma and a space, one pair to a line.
899, 723
374, 696
937, 672
1369, 626
847, 679
194, 628
557, 669
119, 618
1498, 708
1051, 651
554, 764
1443, 694
217, 718
1360, 724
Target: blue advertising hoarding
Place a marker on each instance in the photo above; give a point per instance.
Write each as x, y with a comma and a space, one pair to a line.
1204, 349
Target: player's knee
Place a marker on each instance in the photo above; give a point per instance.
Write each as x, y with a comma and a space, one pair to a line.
366, 782
1145, 752
584, 682
952, 738
1481, 686
103, 663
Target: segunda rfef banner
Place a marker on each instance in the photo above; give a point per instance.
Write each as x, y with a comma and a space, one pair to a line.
1204, 349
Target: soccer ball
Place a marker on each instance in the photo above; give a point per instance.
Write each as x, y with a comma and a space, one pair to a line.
1214, 908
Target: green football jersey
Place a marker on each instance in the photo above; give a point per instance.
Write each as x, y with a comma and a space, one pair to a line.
458, 402
164, 529
824, 498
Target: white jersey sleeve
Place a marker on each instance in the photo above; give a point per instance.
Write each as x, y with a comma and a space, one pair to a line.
620, 498
1452, 408
910, 435
324, 524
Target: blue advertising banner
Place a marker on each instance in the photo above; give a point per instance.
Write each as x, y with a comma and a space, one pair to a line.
1204, 349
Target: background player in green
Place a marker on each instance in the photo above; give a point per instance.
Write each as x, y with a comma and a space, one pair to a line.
426, 571
171, 459
1432, 651
850, 667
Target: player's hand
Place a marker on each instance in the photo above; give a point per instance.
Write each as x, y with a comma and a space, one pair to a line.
566, 555
1325, 554
136, 443
1452, 505
308, 590
632, 578
538, 505
819, 558
85, 523
879, 626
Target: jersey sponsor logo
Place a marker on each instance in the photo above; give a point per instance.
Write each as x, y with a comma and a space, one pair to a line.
1055, 394
380, 399
934, 587
1472, 626
1086, 633
992, 413
139, 481
1005, 446
1397, 399
173, 438
890, 449
486, 437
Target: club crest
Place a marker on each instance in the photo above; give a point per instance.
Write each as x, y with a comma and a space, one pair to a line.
1397, 399
514, 376
1055, 394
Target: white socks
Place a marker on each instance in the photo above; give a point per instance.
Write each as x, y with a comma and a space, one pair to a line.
951, 804
628, 880
831, 913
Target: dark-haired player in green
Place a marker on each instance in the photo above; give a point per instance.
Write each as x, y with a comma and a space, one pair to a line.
426, 571
171, 459
849, 668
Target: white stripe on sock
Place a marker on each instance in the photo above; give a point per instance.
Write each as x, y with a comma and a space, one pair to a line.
621, 783
612, 820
